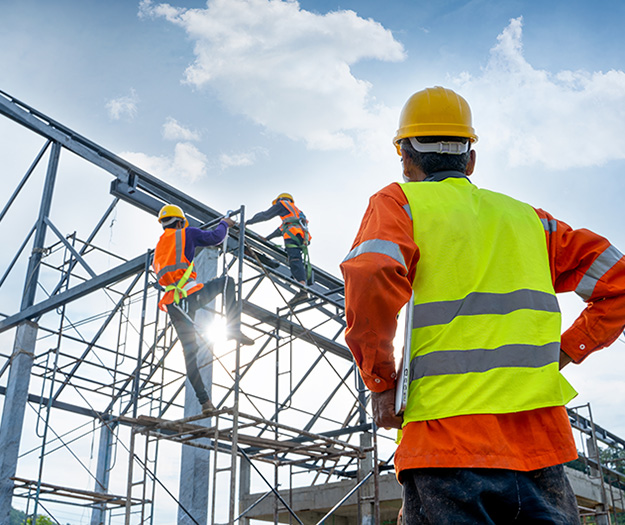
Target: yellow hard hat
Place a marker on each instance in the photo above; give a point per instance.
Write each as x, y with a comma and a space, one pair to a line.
171, 210
435, 112
283, 196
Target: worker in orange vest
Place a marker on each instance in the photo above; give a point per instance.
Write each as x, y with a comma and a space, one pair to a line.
294, 231
485, 430
174, 268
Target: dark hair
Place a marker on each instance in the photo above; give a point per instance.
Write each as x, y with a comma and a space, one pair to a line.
174, 224
431, 163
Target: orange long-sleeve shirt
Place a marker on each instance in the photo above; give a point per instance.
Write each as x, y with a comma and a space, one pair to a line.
377, 286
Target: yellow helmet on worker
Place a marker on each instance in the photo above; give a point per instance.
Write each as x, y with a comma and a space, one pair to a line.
283, 196
171, 211
435, 112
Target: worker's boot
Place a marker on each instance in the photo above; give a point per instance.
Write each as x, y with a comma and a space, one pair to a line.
235, 333
207, 406
299, 297
234, 328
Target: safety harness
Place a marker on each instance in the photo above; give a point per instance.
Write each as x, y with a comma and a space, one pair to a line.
296, 220
182, 286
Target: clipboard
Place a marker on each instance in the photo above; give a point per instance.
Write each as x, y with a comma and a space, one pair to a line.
403, 379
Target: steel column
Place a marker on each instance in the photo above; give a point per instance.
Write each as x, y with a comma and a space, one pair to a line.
23, 350
13, 411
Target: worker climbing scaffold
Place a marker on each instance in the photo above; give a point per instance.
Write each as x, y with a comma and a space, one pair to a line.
294, 230
184, 296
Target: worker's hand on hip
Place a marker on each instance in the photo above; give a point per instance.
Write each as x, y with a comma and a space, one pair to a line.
229, 222
564, 359
383, 406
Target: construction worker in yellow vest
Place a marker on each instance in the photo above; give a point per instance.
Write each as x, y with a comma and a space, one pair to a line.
294, 231
485, 429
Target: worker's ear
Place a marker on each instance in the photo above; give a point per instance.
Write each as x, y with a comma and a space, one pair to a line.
410, 172
471, 164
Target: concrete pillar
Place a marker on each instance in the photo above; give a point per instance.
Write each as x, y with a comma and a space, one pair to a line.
13, 411
98, 514
195, 462
245, 484
367, 490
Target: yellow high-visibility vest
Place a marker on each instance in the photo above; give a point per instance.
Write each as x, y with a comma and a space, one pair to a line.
486, 321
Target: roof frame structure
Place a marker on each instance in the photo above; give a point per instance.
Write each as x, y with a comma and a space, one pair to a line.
111, 383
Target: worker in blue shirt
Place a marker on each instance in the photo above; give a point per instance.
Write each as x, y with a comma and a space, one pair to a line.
294, 230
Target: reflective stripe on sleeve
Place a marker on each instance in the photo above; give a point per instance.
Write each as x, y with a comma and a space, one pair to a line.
550, 226
480, 303
408, 210
378, 246
597, 270
481, 360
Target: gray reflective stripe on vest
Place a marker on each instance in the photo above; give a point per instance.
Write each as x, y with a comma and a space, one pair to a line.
480, 360
597, 270
378, 246
408, 210
480, 303
188, 285
171, 268
179, 264
550, 226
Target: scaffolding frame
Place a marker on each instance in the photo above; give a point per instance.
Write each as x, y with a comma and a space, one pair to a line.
611, 482
111, 369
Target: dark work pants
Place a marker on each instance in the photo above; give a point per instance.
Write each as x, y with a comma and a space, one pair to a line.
186, 330
439, 496
298, 271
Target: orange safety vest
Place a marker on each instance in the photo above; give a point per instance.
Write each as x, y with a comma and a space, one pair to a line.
294, 225
173, 270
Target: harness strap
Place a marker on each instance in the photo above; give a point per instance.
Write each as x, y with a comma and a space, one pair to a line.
306, 259
285, 230
179, 288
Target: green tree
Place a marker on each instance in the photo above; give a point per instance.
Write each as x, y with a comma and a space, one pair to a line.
613, 458
41, 520
17, 517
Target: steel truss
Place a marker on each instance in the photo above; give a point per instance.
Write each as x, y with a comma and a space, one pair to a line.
94, 386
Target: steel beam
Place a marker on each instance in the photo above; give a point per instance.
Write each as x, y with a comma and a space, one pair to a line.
108, 278
296, 329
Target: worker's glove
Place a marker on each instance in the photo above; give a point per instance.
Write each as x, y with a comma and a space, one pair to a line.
383, 407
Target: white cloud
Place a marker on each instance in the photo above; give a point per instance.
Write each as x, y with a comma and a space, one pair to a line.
172, 130
236, 160
123, 107
286, 68
188, 164
535, 117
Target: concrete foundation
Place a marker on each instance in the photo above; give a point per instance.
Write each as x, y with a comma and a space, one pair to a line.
311, 504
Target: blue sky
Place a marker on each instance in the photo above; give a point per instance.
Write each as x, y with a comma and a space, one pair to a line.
235, 101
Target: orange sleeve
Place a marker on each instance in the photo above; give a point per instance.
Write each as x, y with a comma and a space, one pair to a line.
378, 274
586, 263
